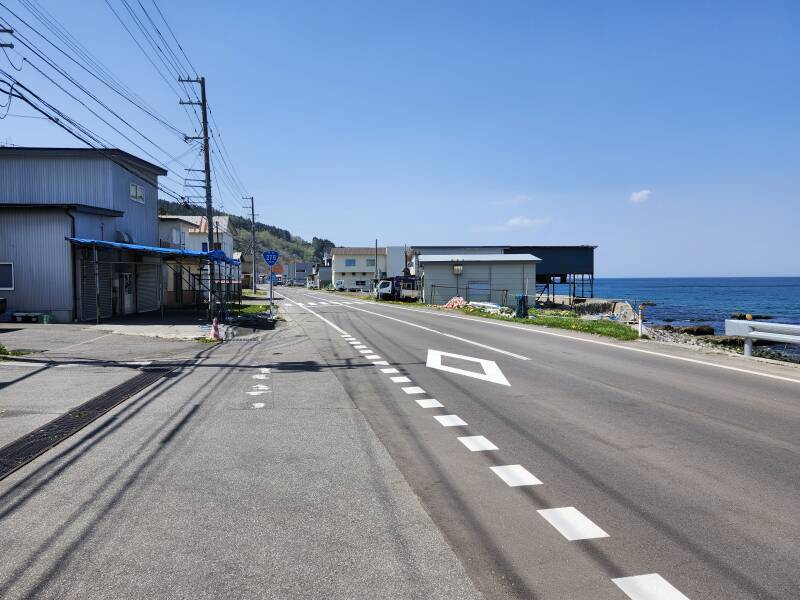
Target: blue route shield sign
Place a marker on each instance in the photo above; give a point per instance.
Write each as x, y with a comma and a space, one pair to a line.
270, 257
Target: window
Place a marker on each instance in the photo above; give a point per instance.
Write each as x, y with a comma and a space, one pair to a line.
6, 276
370, 262
137, 193
349, 262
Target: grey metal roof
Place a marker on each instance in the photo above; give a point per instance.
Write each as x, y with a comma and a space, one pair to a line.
113, 154
431, 258
82, 208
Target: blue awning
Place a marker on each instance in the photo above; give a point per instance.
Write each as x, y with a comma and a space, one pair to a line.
214, 255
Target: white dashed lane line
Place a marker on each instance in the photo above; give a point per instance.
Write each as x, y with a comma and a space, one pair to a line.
477, 443
572, 523
412, 389
389, 370
450, 421
379, 363
311, 304
515, 475
648, 587
260, 376
374, 357
258, 405
359, 346
400, 379
430, 403
366, 351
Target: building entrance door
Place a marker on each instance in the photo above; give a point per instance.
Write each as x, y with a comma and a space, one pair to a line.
128, 302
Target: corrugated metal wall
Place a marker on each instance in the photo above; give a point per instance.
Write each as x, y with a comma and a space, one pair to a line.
147, 287
505, 280
57, 180
33, 240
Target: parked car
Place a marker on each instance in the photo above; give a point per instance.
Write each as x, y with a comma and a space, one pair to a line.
339, 285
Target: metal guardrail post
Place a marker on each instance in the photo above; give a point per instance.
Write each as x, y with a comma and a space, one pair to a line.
748, 346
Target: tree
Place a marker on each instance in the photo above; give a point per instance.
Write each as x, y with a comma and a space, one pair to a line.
320, 247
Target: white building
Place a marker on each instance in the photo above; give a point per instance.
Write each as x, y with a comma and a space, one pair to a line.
190, 232
357, 268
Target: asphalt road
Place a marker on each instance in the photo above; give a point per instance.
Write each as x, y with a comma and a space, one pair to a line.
624, 470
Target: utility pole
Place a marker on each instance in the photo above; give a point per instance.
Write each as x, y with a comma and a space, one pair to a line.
207, 164
253, 238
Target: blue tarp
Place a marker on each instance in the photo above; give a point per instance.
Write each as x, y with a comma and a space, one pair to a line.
214, 255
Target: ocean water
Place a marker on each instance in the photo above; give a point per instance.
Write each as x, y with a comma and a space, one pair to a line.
707, 300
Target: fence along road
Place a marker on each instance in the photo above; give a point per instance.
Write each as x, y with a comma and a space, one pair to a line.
598, 472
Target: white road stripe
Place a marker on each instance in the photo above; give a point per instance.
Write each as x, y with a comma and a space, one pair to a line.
260, 376
648, 587
389, 370
572, 523
477, 443
374, 357
310, 304
586, 340
344, 335
442, 333
515, 475
359, 346
320, 317
430, 403
323, 304
260, 386
354, 342
413, 390
255, 393
450, 421
400, 379
379, 363
265, 369
366, 351
258, 405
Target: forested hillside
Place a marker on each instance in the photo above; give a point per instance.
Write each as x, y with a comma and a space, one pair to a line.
291, 247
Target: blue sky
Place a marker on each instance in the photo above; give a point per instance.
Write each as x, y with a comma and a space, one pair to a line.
665, 133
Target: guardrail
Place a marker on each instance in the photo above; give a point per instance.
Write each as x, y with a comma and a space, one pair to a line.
758, 330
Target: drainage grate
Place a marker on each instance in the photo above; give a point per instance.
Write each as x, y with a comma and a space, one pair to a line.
23, 450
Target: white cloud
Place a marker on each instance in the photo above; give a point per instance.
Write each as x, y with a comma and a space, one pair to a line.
524, 222
515, 223
640, 196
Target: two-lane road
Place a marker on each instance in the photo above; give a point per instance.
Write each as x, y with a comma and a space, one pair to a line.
567, 466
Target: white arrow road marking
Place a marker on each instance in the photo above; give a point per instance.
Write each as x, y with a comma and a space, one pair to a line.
648, 587
491, 372
572, 523
515, 475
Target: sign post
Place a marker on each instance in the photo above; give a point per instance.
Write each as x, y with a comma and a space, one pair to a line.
270, 257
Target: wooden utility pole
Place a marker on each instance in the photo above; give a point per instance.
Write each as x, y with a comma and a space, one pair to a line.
207, 163
253, 238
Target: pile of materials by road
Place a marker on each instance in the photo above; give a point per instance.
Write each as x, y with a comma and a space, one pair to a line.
490, 308
456, 302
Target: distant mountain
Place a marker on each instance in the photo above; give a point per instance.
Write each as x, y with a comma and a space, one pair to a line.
291, 247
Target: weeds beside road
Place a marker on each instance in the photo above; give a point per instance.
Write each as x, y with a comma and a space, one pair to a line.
558, 319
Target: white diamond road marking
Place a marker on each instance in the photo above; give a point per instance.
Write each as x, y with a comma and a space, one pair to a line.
258, 405
413, 390
379, 363
430, 403
572, 523
491, 372
400, 379
389, 370
260, 376
450, 421
375, 357
515, 475
648, 587
477, 443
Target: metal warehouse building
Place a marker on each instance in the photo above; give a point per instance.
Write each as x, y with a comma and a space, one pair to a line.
79, 234
476, 277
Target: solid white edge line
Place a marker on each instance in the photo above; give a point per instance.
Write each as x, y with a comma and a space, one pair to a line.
320, 317
442, 333
534, 329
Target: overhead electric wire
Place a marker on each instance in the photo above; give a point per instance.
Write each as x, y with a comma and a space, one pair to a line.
95, 68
